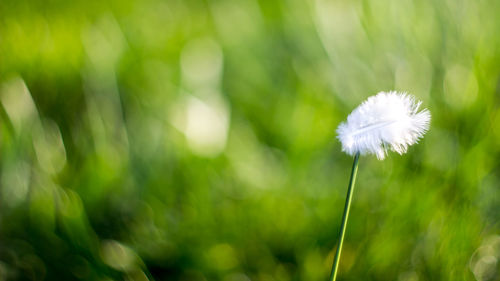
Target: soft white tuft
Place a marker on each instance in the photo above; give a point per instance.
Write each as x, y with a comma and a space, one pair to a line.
384, 121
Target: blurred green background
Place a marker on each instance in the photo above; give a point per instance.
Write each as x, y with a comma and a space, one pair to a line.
195, 140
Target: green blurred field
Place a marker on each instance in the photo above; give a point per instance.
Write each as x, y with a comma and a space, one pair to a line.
195, 140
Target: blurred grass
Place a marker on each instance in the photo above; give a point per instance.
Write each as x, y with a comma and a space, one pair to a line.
197, 139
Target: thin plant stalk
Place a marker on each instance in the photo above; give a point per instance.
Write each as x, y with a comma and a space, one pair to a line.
347, 207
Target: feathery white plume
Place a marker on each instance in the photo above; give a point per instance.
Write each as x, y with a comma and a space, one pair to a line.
384, 121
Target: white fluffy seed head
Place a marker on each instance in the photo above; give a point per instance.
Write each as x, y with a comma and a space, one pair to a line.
388, 120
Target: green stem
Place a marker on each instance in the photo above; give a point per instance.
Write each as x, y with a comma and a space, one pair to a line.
347, 207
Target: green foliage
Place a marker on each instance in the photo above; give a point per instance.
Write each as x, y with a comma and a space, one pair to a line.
195, 140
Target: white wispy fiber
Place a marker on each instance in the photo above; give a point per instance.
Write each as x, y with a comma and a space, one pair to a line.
388, 120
